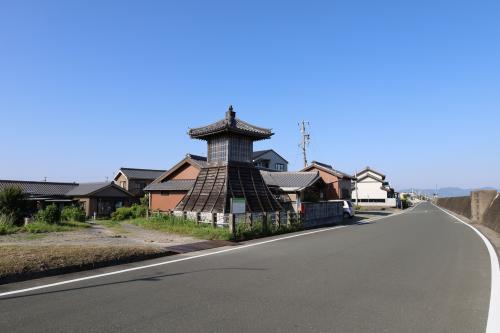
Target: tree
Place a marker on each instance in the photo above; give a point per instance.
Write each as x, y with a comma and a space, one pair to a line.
13, 202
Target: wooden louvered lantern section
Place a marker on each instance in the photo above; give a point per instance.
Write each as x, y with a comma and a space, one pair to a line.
230, 172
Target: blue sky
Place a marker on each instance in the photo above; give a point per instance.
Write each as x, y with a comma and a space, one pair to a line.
409, 88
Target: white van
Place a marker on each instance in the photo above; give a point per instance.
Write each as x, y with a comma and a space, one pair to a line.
349, 210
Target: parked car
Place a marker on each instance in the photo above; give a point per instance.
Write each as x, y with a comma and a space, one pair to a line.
349, 210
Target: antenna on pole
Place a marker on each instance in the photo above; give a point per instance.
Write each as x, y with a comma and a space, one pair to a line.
306, 139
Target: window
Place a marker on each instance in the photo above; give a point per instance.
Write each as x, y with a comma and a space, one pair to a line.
217, 149
123, 184
263, 164
279, 167
372, 200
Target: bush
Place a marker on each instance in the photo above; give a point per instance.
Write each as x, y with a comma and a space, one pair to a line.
7, 224
50, 215
122, 214
73, 213
127, 213
7, 220
13, 203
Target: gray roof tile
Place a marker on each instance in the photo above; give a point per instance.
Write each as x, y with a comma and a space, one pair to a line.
39, 189
172, 185
231, 124
296, 180
132, 173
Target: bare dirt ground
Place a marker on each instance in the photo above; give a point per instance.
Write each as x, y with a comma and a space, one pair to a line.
99, 235
27, 256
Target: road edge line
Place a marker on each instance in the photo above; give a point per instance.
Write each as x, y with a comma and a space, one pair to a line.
493, 324
164, 263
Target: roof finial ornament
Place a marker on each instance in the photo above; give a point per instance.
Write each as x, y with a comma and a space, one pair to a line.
230, 116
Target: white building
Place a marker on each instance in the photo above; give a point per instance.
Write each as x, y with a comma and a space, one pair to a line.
372, 189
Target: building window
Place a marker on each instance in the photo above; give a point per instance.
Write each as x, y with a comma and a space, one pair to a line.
263, 164
279, 167
372, 200
123, 184
217, 149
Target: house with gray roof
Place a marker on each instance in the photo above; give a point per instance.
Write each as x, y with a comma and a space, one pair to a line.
269, 160
135, 180
293, 188
100, 199
338, 183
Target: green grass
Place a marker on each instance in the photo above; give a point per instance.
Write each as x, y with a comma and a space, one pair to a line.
41, 227
6, 229
184, 227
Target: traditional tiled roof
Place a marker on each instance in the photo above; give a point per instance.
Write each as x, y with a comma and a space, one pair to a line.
54, 189
39, 189
132, 173
327, 168
201, 161
368, 169
172, 185
231, 124
195, 160
88, 188
295, 181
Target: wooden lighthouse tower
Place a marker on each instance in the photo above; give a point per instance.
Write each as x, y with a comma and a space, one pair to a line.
230, 173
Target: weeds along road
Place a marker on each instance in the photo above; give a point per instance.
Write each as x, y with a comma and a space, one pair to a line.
420, 271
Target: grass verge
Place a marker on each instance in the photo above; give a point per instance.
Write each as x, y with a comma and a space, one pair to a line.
42, 227
22, 262
177, 225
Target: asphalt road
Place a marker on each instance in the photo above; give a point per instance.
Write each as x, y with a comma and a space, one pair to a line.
416, 272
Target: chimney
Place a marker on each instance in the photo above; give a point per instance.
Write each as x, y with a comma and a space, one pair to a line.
230, 115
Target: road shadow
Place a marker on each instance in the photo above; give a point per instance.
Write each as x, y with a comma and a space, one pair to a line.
155, 278
374, 213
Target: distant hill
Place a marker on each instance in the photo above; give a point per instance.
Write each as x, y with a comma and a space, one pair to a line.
447, 192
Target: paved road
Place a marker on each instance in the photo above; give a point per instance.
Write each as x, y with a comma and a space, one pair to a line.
416, 272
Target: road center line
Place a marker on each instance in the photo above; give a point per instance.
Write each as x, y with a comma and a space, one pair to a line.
493, 325
92, 277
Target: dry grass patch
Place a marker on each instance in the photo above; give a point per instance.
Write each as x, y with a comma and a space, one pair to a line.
20, 262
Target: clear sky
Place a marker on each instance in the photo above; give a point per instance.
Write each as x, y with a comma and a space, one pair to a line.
411, 88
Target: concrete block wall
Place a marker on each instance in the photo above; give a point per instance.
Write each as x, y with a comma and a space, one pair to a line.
459, 205
482, 207
480, 203
491, 217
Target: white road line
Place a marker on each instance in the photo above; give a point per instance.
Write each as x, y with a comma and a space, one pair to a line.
494, 312
92, 277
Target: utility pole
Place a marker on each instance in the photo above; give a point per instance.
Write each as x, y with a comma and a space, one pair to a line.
306, 139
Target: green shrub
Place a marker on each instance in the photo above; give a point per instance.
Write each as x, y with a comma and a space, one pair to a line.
73, 213
127, 213
7, 220
122, 214
139, 211
7, 224
13, 203
50, 215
